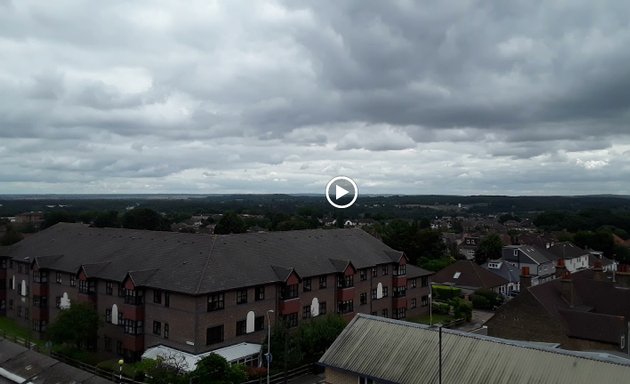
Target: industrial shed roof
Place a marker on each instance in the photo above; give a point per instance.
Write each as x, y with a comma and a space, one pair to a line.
393, 351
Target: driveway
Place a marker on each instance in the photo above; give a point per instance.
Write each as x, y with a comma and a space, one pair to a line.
479, 318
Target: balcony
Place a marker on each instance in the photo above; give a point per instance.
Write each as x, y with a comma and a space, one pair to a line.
290, 306
399, 302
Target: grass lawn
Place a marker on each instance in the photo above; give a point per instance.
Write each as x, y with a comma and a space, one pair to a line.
437, 318
12, 329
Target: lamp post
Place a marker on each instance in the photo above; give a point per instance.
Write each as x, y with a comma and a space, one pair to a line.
268, 343
120, 365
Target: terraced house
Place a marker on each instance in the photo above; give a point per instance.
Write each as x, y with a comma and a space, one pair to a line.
195, 293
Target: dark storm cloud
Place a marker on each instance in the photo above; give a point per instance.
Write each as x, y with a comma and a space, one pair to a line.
452, 97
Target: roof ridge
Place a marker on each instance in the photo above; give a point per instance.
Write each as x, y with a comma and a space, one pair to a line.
205, 266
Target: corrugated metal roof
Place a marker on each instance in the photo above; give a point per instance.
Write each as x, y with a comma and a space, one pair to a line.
401, 352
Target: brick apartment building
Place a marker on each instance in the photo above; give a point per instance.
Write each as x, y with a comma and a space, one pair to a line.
195, 292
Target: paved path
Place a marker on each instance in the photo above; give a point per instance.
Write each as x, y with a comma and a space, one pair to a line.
479, 318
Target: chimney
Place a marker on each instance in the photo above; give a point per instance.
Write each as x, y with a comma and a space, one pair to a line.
566, 288
598, 271
560, 268
526, 279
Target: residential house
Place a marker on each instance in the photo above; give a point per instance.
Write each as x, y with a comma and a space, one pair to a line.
575, 258
507, 271
580, 311
198, 292
378, 350
468, 246
469, 276
539, 262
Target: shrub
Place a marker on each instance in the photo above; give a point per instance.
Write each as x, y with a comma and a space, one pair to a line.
443, 308
443, 292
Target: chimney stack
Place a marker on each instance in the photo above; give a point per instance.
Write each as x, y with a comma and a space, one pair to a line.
526, 279
560, 268
598, 271
566, 288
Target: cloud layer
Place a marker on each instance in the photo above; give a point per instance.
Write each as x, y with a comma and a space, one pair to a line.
279, 96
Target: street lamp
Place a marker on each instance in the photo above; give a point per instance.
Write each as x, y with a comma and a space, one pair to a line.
120, 364
268, 343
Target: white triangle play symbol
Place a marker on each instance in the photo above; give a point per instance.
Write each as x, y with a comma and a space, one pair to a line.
340, 192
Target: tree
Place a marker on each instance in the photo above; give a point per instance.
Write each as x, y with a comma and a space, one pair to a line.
144, 218
107, 219
77, 325
490, 248
230, 223
54, 217
11, 236
214, 369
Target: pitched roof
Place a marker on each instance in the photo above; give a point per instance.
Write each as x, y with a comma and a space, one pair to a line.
394, 351
200, 263
464, 273
536, 254
414, 271
505, 270
567, 250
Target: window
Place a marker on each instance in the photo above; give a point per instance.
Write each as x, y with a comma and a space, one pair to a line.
134, 297
166, 330
120, 319
40, 276
346, 281
58, 278
385, 313
157, 296
374, 313
259, 323
40, 301
121, 290
363, 274
425, 301
119, 348
306, 285
399, 291
26, 313
19, 310
3, 264
374, 293
241, 296
83, 286
363, 299
306, 312
345, 306
424, 281
413, 303
399, 313
20, 268
322, 308
134, 327
323, 282
374, 273
259, 293
214, 335
412, 283
157, 328
216, 301
57, 301
167, 299
289, 291
291, 320
109, 288
73, 280
107, 341
108, 315
365, 380
39, 325
385, 291
241, 327
385, 269
400, 270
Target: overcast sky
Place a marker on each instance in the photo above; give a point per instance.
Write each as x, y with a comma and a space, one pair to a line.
414, 97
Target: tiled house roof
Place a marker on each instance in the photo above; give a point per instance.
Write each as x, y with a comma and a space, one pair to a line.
200, 263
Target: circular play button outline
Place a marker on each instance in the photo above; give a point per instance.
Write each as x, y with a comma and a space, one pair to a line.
349, 180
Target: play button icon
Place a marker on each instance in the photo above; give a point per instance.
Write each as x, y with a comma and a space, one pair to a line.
341, 192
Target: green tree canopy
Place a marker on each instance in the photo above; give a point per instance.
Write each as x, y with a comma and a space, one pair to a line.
214, 369
77, 325
230, 223
144, 218
490, 248
11, 236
